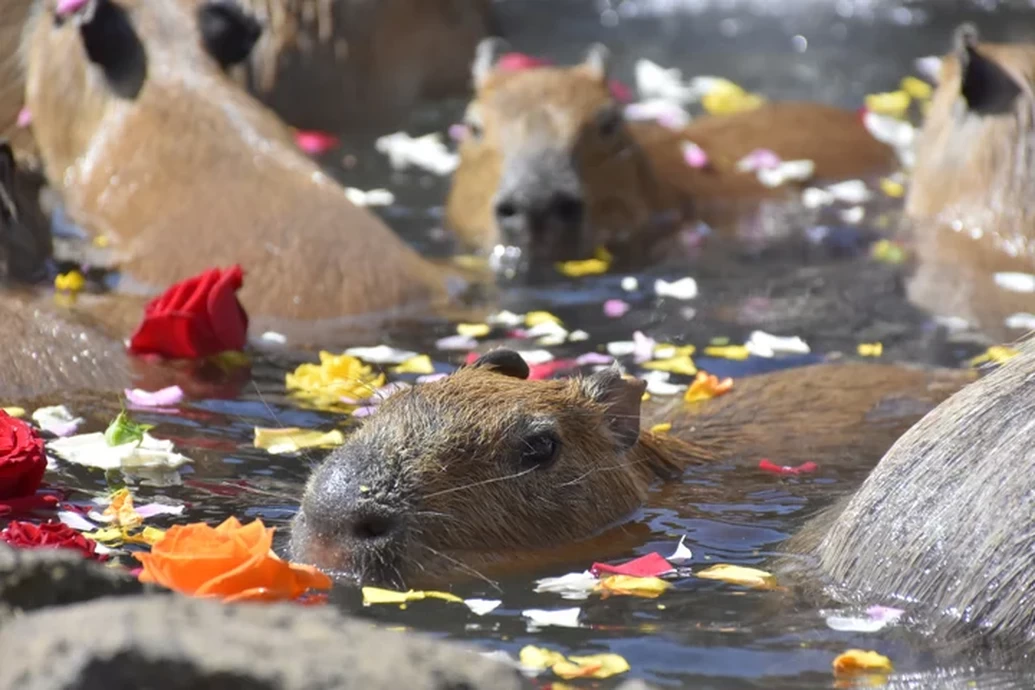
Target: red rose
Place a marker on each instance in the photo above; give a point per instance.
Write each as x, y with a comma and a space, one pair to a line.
49, 535
22, 460
194, 318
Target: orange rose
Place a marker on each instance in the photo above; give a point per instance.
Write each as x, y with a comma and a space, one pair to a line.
231, 562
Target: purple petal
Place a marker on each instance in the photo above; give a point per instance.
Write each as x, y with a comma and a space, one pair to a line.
759, 159
694, 155
24, 117
76, 521
593, 358
364, 411
456, 342
458, 131
431, 378
884, 613
167, 396
69, 6
615, 308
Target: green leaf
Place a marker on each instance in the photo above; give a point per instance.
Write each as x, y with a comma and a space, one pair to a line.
125, 430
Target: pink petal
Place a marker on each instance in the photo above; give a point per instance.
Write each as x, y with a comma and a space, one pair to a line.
149, 510
24, 117
694, 155
458, 131
315, 143
65, 7
456, 342
615, 308
786, 470
515, 62
643, 350
759, 159
593, 358
537, 372
620, 92
431, 378
651, 565
166, 396
364, 411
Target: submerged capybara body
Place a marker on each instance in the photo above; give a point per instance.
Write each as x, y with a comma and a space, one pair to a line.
152, 146
336, 64
944, 526
550, 165
972, 196
486, 461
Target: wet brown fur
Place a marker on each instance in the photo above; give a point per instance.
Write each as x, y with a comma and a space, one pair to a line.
972, 196
443, 455
368, 61
943, 526
194, 173
638, 189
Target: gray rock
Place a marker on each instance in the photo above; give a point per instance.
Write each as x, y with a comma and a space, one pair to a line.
35, 578
174, 643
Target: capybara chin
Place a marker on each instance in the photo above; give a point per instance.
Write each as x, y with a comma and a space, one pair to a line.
944, 525
484, 464
152, 145
972, 197
550, 166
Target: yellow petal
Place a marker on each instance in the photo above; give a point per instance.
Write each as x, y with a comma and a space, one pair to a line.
15, 411
999, 354
888, 252
107, 535
661, 428
536, 318
892, 104
859, 661
676, 365
892, 188
595, 666
334, 378
645, 397
375, 595
726, 98
871, 349
646, 587
707, 386
739, 575
539, 657
73, 281
121, 509
291, 439
669, 351
737, 352
916, 88
473, 330
149, 536
421, 364
585, 267
101, 241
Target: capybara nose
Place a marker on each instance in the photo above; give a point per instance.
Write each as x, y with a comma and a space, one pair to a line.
345, 506
521, 219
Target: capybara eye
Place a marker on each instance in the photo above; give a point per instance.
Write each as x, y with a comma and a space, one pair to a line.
540, 450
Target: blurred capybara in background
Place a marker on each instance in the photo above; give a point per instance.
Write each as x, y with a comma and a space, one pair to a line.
152, 146
337, 64
944, 525
972, 196
550, 165
447, 475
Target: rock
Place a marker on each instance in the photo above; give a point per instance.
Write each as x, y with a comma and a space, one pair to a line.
35, 578
174, 643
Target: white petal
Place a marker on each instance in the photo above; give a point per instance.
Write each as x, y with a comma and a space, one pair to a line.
571, 586
1016, 282
682, 553
381, 354
562, 618
93, 451
685, 288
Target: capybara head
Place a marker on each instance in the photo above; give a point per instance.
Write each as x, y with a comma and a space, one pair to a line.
975, 163
83, 44
25, 242
481, 461
547, 165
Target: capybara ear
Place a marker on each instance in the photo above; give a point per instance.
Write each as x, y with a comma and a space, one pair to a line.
504, 361
486, 55
111, 43
623, 397
598, 62
986, 86
228, 32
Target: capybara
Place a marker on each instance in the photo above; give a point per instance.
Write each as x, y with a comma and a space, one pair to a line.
943, 526
152, 146
972, 197
486, 461
341, 64
551, 166
323, 64
43, 352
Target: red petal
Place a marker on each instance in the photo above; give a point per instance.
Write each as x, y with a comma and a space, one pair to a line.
651, 565
515, 62
315, 143
786, 470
